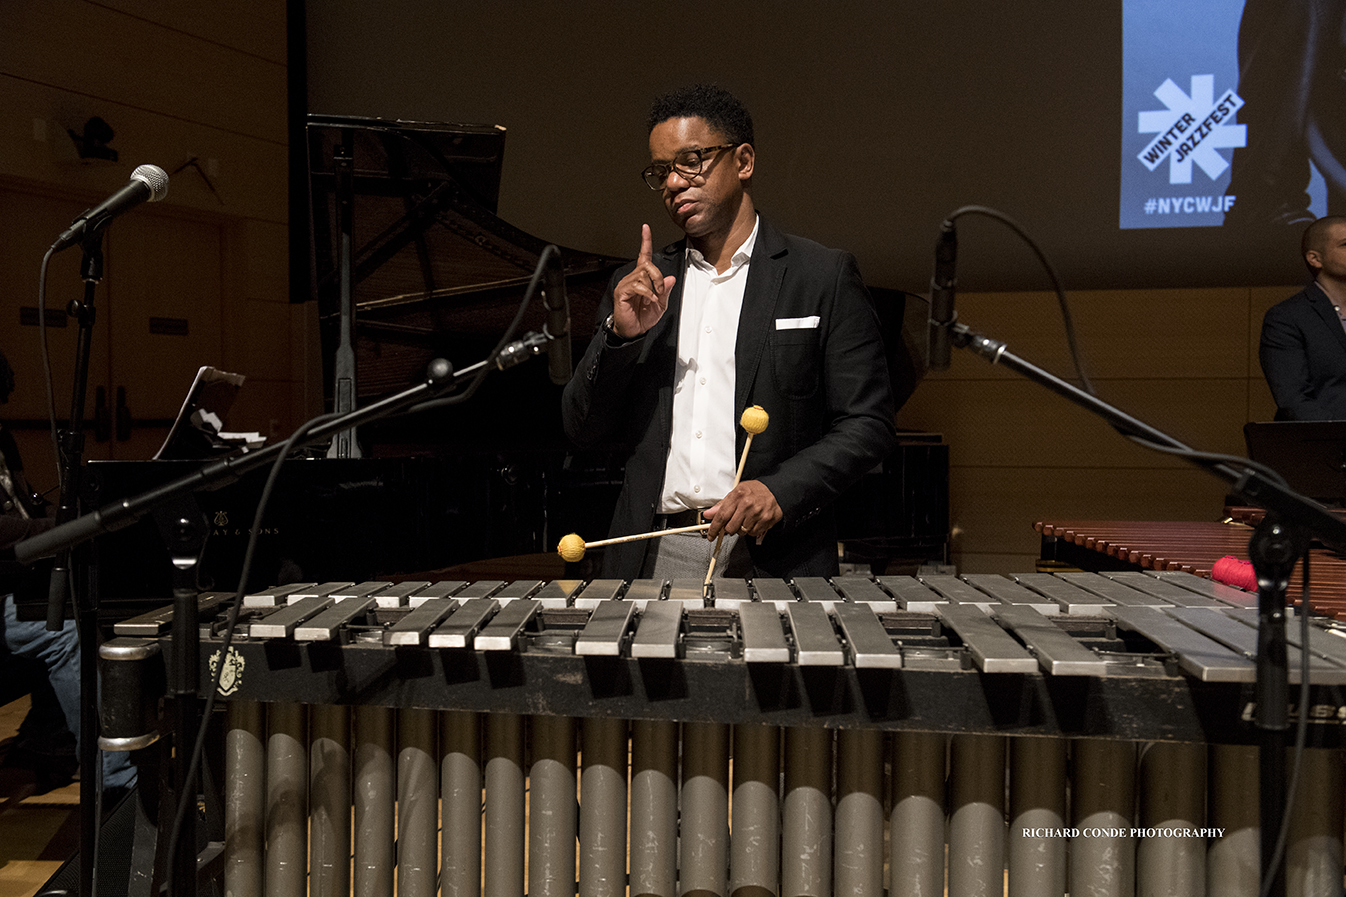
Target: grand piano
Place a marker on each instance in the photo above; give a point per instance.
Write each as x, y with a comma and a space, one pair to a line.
409, 262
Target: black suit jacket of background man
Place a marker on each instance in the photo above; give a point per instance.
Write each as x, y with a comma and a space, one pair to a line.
825, 388
1303, 355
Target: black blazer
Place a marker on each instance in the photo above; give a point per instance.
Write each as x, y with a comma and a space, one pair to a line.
825, 388
1303, 355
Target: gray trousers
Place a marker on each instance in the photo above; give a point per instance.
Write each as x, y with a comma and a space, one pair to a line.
687, 556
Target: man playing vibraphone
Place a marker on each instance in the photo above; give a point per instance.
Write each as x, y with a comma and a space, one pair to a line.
736, 314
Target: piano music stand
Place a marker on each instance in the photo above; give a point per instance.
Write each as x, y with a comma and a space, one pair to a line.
1310, 454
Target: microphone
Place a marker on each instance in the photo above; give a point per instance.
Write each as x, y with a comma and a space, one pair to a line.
148, 183
942, 283
557, 328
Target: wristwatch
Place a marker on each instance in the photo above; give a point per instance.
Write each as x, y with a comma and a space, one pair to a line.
616, 338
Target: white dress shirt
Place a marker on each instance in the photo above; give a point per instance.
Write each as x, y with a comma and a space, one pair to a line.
701, 463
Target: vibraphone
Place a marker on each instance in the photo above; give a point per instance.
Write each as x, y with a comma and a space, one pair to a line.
813, 737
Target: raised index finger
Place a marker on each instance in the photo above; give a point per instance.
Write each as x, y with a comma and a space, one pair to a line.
646, 246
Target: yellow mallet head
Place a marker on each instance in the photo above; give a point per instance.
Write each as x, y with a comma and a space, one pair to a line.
571, 548
754, 419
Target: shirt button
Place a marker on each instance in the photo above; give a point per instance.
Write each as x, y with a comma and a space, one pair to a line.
703, 381
696, 488
708, 330
698, 434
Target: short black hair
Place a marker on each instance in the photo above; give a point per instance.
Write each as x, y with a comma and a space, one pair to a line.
1315, 237
720, 108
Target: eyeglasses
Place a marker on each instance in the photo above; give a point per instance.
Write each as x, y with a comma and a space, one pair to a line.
686, 163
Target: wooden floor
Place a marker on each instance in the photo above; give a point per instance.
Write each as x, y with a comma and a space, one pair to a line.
38, 832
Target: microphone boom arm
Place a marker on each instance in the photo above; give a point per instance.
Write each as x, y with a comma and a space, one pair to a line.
1248, 482
215, 474
1273, 550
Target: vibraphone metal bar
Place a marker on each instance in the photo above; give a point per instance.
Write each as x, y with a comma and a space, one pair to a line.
1121, 655
837, 715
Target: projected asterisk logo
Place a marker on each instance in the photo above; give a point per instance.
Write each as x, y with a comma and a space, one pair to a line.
1191, 129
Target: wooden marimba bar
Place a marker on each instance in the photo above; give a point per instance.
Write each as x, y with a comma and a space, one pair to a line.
1194, 547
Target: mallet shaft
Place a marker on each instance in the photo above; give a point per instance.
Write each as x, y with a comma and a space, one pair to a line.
738, 475
653, 535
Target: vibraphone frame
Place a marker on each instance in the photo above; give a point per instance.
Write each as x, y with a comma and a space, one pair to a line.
491, 698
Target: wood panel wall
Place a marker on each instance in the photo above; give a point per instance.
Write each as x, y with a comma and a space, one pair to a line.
207, 81
1183, 361
177, 83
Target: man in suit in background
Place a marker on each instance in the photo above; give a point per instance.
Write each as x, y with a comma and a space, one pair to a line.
1303, 348
736, 314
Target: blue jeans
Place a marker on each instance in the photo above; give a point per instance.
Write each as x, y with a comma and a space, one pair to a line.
58, 652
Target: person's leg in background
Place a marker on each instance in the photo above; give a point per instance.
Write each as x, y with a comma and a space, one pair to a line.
58, 652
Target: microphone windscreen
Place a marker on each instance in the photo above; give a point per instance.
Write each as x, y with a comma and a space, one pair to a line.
153, 177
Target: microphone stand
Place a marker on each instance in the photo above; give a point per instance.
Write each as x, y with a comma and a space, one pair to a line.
184, 663
63, 583
1277, 543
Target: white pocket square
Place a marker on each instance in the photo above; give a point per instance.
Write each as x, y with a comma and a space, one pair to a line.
809, 323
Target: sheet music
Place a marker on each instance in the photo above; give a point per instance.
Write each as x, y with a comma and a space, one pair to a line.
202, 416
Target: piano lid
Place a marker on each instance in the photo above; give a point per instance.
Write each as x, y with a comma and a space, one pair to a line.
433, 269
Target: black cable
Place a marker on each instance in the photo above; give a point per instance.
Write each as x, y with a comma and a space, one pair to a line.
47, 379
1301, 734
1208, 459
1211, 459
187, 798
1051, 274
492, 359
1301, 727
46, 362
